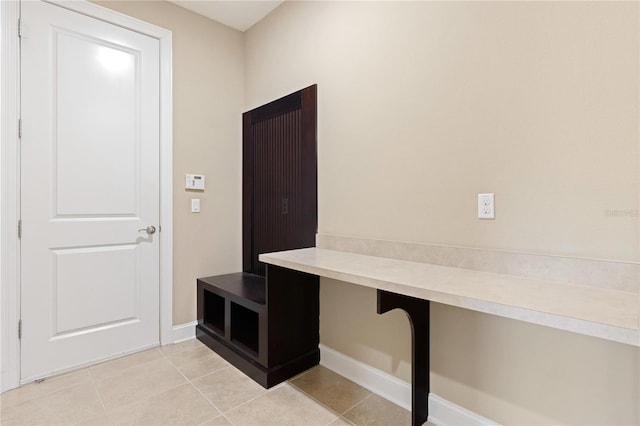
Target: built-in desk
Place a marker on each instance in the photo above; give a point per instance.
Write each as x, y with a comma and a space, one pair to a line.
601, 312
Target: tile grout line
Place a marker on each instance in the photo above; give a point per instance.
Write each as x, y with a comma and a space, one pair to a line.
95, 387
38, 400
280, 385
48, 394
207, 399
370, 393
187, 381
317, 401
77, 371
359, 402
288, 383
304, 373
347, 420
229, 365
146, 397
355, 405
239, 405
196, 388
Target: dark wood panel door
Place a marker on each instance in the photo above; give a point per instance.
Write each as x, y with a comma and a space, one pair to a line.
279, 177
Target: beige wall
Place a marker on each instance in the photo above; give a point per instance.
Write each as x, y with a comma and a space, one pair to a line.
422, 105
208, 93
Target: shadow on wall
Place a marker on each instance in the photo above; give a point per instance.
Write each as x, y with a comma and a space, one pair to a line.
483, 355
382, 341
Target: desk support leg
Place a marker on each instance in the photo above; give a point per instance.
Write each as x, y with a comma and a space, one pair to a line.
418, 312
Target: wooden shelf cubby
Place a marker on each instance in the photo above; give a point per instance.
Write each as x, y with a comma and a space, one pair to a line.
267, 327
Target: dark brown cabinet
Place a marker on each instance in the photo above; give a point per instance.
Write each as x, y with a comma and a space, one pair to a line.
265, 326
264, 320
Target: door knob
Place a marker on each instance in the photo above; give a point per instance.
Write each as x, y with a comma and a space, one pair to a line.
149, 229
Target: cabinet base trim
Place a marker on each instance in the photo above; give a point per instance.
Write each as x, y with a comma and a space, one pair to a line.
266, 377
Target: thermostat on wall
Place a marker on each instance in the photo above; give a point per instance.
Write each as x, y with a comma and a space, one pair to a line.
195, 182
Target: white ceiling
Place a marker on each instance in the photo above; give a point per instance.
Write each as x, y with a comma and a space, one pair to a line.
238, 14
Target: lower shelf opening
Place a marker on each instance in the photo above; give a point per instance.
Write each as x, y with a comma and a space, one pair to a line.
244, 329
214, 312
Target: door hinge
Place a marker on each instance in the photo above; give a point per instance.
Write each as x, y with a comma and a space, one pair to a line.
19, 27
20, 229
20, 329
20, 128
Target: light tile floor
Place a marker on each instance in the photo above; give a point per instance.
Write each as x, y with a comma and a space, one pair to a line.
188, 384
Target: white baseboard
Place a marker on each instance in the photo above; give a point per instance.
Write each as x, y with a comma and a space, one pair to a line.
377, 381
446, 413
441, 411
182, 332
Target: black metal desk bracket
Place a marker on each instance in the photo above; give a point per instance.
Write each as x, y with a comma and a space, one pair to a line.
418, 312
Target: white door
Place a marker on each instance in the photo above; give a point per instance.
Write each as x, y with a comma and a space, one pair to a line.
89, 183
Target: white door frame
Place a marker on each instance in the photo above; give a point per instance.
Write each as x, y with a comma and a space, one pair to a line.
10, 175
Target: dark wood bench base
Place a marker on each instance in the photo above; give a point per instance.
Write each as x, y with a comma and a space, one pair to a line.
267, 327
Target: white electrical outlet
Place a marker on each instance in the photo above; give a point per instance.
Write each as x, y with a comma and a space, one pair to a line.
486, 206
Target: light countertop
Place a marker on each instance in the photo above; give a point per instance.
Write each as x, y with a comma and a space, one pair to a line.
599, 312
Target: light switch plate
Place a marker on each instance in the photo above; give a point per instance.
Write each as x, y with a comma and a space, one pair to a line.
194, 182
195, 205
